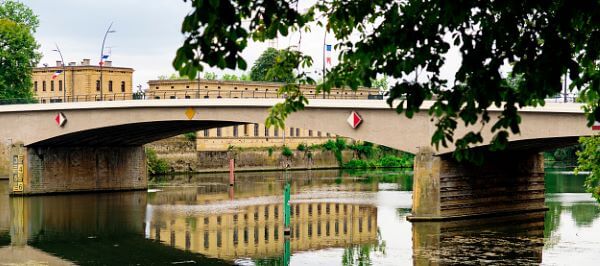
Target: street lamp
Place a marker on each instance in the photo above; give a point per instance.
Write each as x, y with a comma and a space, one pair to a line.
62, 60
102, 57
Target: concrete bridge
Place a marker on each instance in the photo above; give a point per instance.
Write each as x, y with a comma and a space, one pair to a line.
91, 146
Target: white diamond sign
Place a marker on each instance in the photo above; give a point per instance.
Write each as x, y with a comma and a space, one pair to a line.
354, 119
60, 119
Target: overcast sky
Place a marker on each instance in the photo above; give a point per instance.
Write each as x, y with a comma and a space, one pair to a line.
146, 38
147, 35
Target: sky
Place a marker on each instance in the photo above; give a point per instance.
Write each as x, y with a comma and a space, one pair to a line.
148, 35
146, 38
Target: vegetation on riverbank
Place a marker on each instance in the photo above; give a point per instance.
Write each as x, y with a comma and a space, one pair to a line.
156, 166
589, 160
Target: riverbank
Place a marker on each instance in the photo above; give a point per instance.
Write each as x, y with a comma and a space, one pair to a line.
178, 155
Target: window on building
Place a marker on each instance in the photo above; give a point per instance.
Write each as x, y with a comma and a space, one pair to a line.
256, 130
297, 132
98, 85
122, 86
266, 131
310, 133
35, 86
52, 85
291, 131
246, 130
44, 85
206, 133
60, 85
218, 132
276, 132
319, 133
172, 97
328, 134
235, 131
110, 87
157, 87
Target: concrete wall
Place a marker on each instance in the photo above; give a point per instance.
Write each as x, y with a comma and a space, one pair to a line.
511, 182
71, 169
259, 159
4, 159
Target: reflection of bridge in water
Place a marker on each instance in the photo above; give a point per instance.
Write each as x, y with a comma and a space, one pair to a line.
104, 229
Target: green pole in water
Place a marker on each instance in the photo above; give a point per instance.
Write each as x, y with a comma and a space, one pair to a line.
286, 209
287, 252
286, 220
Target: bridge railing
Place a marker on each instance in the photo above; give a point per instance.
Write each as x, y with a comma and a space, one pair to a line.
187, 94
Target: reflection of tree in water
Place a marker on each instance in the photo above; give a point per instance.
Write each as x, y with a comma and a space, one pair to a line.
361, 254
4, 239
551, 220
585, 214
277, 261
403, 212
402, 177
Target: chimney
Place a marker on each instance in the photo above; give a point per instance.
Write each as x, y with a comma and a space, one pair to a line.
72, 64
107, 63
59, 63
85, 62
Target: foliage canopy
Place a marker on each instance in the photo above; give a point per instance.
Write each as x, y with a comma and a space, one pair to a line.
589, 160
541, 40
263, 68
18, 53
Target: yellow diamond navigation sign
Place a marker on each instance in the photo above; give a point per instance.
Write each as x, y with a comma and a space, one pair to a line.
190, 113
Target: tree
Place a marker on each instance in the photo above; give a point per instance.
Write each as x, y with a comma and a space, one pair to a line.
589, 160
19, 13
263, 68
18, 53
541, 40
17, 57
210, 76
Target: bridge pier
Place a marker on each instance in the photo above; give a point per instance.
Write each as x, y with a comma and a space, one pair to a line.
42, 170
507, 183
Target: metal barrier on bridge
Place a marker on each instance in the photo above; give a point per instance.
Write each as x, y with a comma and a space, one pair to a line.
189, 94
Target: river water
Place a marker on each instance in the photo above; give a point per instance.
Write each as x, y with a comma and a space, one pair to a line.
338, 218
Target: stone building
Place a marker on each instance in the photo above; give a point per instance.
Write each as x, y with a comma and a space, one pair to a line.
82, 82
249, 135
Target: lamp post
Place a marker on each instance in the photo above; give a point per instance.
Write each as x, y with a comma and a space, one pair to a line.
62, 60
102, 58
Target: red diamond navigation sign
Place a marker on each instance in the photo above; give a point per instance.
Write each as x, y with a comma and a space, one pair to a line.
60, 119
596, 126
354, 119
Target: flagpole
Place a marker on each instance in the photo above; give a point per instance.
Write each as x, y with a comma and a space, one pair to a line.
64, 88
102, 58
324, 48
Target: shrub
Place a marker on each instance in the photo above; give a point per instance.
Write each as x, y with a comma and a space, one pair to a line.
156, 165
329, 145
391, 161
356, 164
301, 147
270, 151
191, 136
287, 152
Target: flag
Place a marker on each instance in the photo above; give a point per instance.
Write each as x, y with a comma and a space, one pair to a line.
56, 74
328, 53
104, 57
